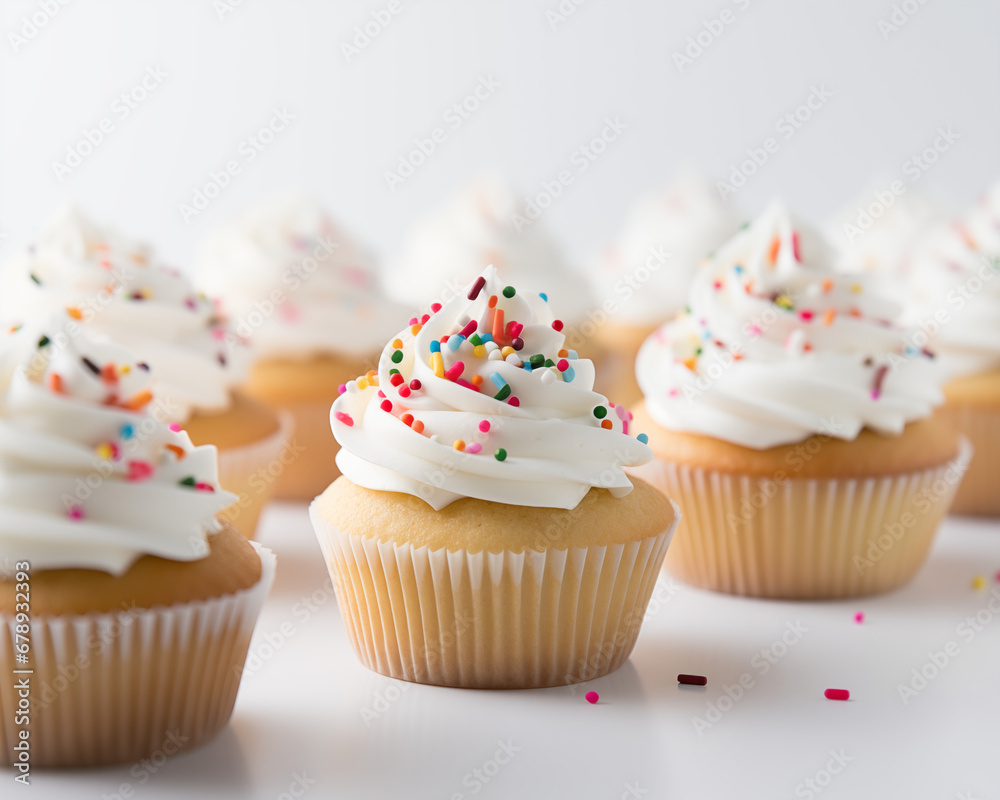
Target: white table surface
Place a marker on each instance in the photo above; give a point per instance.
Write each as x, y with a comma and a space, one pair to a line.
309, 715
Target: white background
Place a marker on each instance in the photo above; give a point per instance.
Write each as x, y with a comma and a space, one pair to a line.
354, 119
301, 709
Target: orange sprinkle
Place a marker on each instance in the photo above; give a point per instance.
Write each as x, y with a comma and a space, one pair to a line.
177, 451
109, 374
371, 374
459, 445
563, 353
498, 327
772, 253
407, 419
74, 312
689, 363
493, 301
415, 329
855, 313
55, 383
397, 344
830, 316
606, 424
827, 286
418, 426
748, 287
137, 402
476, 380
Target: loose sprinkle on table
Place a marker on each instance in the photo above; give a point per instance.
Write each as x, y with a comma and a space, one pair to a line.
692, 680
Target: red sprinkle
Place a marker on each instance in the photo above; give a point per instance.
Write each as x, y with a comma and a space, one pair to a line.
469, 329
879, 377
396, 379
404, 391
513, 401
415, 385
592, 697
557, 324
484, 426
386, 405
692, 680
795, 246
859, 617
340, 416
435, 307
477, 287
837, 694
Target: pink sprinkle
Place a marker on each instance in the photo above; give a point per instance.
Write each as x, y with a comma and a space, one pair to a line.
674, 392
381, 393
75, 513
997, 576
795, 246
837, 694
473, 448
806, 315
340, 416
469, 329
455, 370
219, 334
625, 426
404, 391
484, 426
175, 427
435, 307
342, 388
204, 487
413, 321
592, 697
621, 412
467, 385
513, 401
139, 470
562, 365
515, 329
754, 330
859, 617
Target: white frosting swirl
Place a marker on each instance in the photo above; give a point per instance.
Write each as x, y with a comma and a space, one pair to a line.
295, 284
450, 246
778, 347
954, 288
118, 292
666, 236
479, 422
88, 478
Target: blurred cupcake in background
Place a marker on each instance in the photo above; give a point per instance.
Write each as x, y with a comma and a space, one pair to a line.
876, 233
116, 289
308, 299
953, 288
792, 421
647, 273
486, 223
142, 601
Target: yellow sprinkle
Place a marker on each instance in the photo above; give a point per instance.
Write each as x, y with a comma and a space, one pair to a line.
362, 383
830, 316
979, 582
856, 288
126, 369
397, 344
480, 351
508, 350
459, 444
415, 329
104, 451
784, 301
437, 362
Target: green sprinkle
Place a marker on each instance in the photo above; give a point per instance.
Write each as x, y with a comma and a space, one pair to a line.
536, 360
504, 392
549, 362
188, 481
476, 341
397, 356
508, 291
394, 372
34, 277
600, 412
44, 342
500, 454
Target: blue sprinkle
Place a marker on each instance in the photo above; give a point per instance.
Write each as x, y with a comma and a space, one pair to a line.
571, 354
527, 366
544, 296
486, 337
568, 374
435, 346
454, 342
498, 380
643, 438
127, 431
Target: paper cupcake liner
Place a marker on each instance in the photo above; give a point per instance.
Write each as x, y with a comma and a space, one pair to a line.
491, 620
314, 467
109, 688
979, 492
252, 472
804, 538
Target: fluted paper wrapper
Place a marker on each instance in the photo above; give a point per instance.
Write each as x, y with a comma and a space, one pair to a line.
804, 538
979, 492
110, 688
491, 620
253, 472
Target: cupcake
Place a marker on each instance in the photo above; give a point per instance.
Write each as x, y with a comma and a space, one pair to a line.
954, 290
483, 533
115, 289
648, 271
486, 223
127, 606
793, 424
308, 300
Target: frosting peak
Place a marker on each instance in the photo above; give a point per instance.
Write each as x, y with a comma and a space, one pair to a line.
776, 346
479, 398
89, 478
